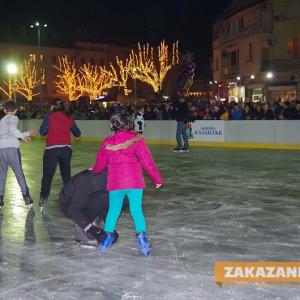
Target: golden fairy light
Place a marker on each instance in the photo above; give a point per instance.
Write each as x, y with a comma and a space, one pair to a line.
29, 80
122, 73
151, 68
94, 81
10, 85
8, 88
67, 80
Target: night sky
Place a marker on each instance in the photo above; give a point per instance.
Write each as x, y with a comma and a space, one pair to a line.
121, 22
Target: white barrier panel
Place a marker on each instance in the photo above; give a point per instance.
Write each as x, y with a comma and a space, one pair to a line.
208, 131
250, 131
256, 134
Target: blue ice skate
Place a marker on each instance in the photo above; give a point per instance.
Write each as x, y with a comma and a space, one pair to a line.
143, 244
108, 239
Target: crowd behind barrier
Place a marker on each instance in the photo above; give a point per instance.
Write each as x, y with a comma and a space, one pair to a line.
204, 109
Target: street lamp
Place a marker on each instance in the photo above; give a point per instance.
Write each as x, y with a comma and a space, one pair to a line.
38, 27
12, 71
269, 75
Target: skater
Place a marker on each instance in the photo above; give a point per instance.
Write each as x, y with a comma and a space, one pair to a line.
182, 118
57, 126
10, 155
84, 199
125, 154
139, 123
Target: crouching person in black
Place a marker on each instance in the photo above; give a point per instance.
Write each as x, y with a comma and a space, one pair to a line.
84, 199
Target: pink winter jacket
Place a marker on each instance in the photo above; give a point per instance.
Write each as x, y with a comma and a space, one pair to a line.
124, 154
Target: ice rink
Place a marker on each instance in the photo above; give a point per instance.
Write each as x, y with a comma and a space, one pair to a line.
216, 205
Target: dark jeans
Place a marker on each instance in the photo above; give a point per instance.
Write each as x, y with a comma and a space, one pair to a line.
52, 157
181, 135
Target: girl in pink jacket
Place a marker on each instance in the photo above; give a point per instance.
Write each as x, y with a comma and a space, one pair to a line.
125, 155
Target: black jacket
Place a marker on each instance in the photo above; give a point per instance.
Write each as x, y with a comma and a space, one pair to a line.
84, 197
181, 112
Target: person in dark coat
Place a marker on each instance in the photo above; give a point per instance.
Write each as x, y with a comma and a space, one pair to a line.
182, 117
84, 199
269, 113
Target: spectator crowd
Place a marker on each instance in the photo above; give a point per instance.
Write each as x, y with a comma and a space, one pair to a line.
209, 109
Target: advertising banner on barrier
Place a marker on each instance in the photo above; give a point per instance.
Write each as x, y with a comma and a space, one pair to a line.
207, 131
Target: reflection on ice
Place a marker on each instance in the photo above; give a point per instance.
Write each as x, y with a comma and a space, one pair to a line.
216, 205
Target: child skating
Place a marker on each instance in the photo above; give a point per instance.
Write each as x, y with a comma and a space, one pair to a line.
10, 155
139, 123
125, 155
57, 126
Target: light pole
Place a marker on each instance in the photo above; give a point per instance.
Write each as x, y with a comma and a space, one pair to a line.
12, 71
38, 27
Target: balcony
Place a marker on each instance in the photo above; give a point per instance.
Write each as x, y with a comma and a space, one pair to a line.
259, 20
281, 65
241, 32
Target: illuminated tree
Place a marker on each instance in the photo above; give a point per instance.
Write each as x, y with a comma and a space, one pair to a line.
122, 73
67, 82
94, 81
152, 66
29, 80
8, 88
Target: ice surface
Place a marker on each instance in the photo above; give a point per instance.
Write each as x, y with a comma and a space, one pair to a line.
216, 205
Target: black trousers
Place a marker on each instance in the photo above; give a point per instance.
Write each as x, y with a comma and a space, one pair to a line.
52, 157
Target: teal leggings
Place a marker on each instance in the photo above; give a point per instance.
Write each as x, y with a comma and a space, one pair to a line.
135, 197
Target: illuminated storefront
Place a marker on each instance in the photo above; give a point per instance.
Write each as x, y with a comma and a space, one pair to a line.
282, 92
236, 92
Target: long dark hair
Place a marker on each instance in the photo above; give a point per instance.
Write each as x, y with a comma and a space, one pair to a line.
121, 121
59, 105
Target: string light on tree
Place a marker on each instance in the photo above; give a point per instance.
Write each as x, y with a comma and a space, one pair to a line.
124, 67
152, 66
29, 80
186, 74
67, 81
94, 81
9, 89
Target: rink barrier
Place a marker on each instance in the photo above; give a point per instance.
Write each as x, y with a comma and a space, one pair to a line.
211, 144
237, 134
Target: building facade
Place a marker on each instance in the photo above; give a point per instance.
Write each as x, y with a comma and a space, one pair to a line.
256, 50
46, 57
